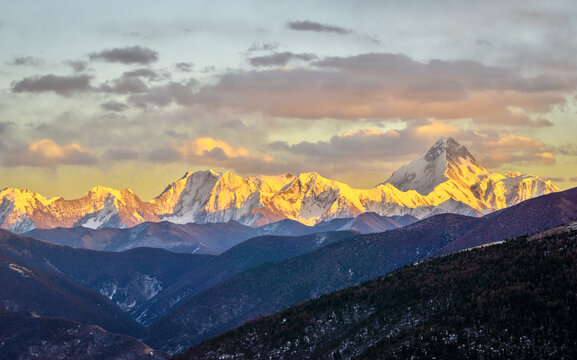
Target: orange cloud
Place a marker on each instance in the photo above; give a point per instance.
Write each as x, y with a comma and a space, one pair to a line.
212, 152
47, 152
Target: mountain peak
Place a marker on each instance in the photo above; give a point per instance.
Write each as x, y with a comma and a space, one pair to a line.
446, 159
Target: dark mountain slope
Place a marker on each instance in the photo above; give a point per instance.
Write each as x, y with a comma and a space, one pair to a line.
246, 255
271, 287
24, 336
516, 300
127, 278
25, 288
530, 216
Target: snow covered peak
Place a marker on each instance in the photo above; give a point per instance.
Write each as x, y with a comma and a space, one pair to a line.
446, 159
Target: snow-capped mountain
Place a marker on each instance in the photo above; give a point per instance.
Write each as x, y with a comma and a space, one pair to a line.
446, 160
445, 179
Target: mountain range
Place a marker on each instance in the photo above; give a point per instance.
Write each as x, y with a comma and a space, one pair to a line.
171, 301
447, 178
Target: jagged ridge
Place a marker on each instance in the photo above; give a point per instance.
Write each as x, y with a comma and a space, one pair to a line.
446, 179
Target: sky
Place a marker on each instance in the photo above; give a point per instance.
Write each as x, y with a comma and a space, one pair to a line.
133, 94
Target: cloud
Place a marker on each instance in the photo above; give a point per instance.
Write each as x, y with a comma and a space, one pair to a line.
511, 149
27, 60
5, 125
212, 152
47, 152
279, 59
574, 179
164, 95
125, 85
392, 86
184, 66
77, 65
127, 55
368, 147
114, 106
145, 73
62, 85
263, 46
568, 149
121, 154
307, 25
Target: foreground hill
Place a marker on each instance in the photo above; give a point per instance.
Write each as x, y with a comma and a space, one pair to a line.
25, 336
512, 300
272, 287
446, 179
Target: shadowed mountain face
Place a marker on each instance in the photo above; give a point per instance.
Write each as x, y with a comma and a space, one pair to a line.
251, 253
445, 179
24, 336
272, 287
185, 238
25, 288
128, 279
516, 300
205, 238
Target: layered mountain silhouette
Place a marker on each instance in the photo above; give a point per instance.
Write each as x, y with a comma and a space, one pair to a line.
211, 238
514, 300
271, 287
446, 179
183, 299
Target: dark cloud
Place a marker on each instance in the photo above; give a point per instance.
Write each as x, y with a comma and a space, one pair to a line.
127, 55
125, 85
77, 65
574, 179
160, 96
166, 154
175, 134
114, 106
263, 46
47, 152
184, 66
392, 86
145, 73
568, 149
317, 27
121, 154
279, 59
216, 153
27, 60
63, 85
